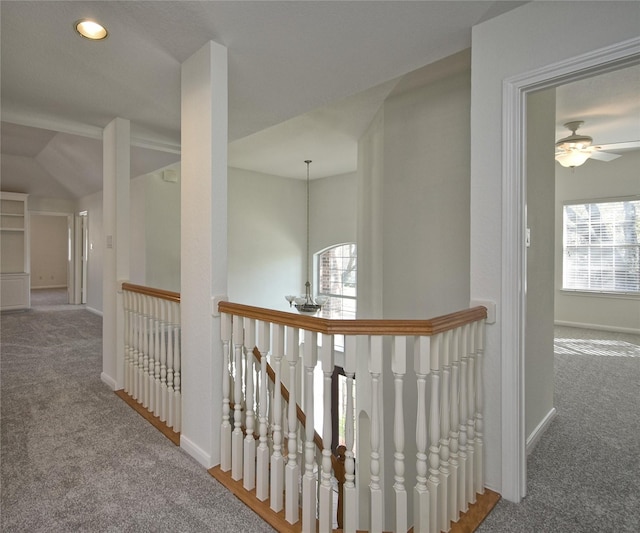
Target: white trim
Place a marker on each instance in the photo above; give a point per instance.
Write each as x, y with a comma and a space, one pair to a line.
597, 327
94, 311
196, 452
513, 300
109, 381
537, 433
48, 287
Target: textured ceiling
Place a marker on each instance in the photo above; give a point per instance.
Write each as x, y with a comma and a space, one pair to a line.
305, 79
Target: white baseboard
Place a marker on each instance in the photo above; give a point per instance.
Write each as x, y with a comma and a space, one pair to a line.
109, 381
598, 327
48, 287
94, 311
196, 452
537, 433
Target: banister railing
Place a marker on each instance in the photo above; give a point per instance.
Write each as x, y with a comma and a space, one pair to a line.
447, 469
152, 357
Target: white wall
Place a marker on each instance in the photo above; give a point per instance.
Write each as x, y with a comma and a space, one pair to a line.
93, 205
49, 250
532, 36
595, 180
426, 200
267, 238
540, 259
162, 231
333, 211
137, 242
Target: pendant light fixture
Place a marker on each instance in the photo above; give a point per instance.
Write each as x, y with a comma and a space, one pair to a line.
307, 304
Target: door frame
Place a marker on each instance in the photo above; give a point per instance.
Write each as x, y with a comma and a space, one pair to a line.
513, 300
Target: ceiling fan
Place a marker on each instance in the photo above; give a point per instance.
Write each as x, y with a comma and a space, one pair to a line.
575, 149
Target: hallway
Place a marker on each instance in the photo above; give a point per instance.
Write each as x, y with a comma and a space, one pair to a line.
75, 457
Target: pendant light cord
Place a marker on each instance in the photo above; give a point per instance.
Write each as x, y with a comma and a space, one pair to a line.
308, 284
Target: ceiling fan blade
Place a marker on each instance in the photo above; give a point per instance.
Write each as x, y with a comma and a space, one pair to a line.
603, 156
618, 146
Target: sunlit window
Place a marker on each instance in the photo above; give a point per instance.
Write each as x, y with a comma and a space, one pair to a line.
601, 246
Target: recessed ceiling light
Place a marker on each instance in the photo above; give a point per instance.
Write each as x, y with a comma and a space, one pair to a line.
90, 29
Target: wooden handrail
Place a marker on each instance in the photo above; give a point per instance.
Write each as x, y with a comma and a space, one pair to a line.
302, 418
358, 327
150, 291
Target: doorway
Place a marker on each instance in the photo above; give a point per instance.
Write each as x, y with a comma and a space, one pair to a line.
513, 332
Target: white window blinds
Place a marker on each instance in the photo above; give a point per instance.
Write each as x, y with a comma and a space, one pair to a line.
601, 246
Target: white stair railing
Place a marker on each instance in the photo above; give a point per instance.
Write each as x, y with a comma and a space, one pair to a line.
152, 351
447, 469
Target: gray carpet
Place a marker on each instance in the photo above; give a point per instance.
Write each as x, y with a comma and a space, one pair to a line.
584, 474
75, 457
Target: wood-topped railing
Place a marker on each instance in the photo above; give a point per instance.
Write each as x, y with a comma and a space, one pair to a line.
447, 470
152, 357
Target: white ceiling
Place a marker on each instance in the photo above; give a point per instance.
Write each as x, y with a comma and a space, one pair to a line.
305, 78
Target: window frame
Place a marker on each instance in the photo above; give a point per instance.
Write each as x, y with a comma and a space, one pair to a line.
318, 270
565, 285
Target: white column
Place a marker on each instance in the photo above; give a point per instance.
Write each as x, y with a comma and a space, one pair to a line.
116, 142
203, 247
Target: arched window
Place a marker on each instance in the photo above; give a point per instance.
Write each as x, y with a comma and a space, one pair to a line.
336, 270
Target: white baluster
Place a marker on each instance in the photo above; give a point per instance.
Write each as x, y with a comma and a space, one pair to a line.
154, 358
350, 497
262, 454
479, 488
157, 404
127, 339
237, 436
171, 415
434, 429
421, 513
145, 354
277, 459
292, 470
139, 350
454, 432
462, 461
471, 414
375, 370
225, 428
135, 349
249, 478
177, 364
445, 426
309, 492
325, 515
164, 305
399, 369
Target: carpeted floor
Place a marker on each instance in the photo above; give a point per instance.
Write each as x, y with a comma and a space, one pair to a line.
75, 457
584, 474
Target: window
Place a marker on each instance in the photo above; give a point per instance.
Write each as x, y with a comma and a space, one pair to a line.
336, 270
601, 250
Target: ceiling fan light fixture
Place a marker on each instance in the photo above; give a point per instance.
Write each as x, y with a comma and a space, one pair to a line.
572, 158
90, 29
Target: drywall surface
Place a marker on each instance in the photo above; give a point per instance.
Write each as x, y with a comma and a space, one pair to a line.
49, 250
92, 204
595, 181
527, 38
266, 238
540, 260
426, 200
